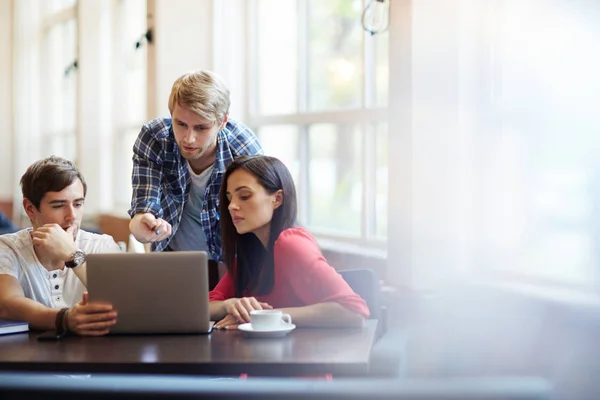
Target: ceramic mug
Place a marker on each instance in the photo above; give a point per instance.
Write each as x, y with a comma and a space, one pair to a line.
264, 320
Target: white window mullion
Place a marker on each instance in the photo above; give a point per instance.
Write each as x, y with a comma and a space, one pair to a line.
368, 81
302, 56
45, 91
324, 117
303, 187
303, 192
365, 208
251, 106
59, 17
369, 179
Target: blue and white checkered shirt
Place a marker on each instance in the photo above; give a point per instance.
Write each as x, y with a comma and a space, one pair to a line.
161, 180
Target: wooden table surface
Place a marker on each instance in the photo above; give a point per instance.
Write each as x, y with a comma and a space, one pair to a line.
341, 352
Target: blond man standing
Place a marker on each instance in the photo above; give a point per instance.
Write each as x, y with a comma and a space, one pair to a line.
178, 164
42, 268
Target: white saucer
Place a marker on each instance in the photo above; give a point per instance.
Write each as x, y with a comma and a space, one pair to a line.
280, 331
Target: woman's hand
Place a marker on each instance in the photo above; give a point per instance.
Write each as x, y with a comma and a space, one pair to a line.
239, 309
229, 322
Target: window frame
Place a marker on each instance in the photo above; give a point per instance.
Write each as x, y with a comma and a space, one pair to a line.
123, 127
365, 116
52, 20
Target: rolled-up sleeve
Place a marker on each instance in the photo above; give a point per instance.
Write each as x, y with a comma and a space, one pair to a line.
147, 175
224, 289
311, 277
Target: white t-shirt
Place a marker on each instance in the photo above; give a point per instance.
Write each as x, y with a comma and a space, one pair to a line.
55, 289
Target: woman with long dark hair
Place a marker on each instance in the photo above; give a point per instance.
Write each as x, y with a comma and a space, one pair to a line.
271, 261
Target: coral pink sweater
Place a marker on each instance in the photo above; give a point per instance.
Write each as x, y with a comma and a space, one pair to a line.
302, 277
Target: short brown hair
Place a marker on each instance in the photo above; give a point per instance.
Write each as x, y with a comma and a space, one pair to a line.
203, 92
52, 174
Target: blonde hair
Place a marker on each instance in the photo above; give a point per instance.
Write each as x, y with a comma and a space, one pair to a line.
202, 92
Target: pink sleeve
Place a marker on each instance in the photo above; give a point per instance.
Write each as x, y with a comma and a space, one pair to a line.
312, 279
224, 289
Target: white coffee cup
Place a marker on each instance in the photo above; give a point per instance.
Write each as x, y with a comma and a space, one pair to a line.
263, 320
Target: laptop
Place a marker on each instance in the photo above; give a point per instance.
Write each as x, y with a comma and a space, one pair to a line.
152, 292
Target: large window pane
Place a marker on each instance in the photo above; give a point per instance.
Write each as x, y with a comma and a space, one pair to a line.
59, 85
335, 178
541, 177
277, 56
133, 26
382, 74
335, 63
60, 145
281, 141
131, 89
310, 62
69, 37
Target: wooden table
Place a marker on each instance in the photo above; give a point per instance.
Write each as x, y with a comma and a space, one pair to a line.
341, 352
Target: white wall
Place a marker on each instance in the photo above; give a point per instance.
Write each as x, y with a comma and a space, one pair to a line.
6, 91
94, 121
427, 160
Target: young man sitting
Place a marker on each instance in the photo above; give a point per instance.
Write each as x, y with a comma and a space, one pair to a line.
42, 268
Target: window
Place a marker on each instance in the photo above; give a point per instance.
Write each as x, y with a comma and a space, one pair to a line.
538, 178
59, 79
131, 90
45, 82
318, 101
50, 39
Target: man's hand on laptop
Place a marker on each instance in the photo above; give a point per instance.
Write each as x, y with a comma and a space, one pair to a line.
238, 311
145, 227
91, 319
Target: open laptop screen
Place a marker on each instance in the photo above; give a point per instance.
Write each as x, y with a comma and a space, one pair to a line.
152, 292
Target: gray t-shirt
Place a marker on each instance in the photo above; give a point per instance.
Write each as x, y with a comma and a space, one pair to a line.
190, 236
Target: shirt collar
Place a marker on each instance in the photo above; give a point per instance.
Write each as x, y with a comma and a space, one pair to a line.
224, 156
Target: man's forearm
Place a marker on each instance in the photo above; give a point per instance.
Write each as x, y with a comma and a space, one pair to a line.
81, 273
24, 309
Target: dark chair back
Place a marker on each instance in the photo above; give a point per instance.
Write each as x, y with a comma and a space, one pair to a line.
365, 283
6, 226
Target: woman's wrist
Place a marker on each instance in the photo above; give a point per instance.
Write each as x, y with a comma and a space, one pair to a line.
225, 304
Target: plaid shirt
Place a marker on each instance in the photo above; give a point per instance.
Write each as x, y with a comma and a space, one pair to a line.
161, 180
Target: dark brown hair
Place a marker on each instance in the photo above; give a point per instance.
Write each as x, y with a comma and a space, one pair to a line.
249, 263
52, 174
